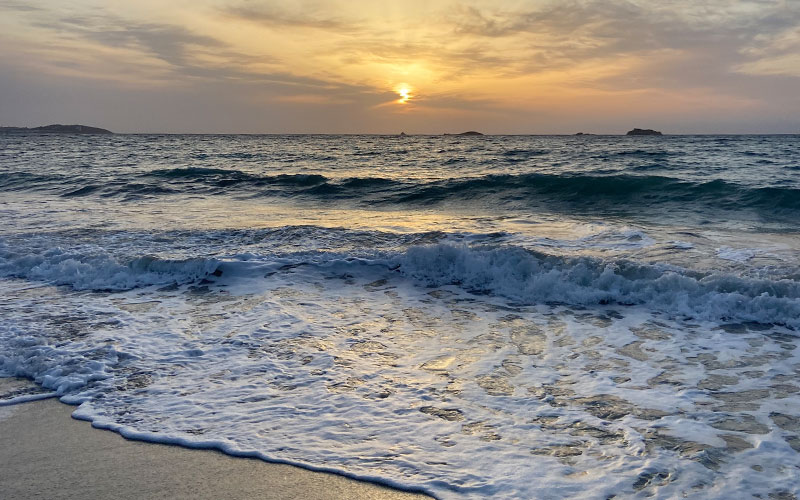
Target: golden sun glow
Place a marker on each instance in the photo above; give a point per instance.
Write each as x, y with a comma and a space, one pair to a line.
404, 91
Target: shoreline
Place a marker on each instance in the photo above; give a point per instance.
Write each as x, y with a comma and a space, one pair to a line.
46, 453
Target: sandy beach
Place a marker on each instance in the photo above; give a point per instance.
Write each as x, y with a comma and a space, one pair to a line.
44, 453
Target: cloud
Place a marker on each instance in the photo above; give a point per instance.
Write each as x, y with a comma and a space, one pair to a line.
560, 33
169, 43
275, 17
13, 6
776, 53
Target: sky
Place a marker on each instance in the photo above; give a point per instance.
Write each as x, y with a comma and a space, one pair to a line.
418, 66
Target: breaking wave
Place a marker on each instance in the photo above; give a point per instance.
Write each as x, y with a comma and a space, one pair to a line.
531, 277
521, 275
100, 271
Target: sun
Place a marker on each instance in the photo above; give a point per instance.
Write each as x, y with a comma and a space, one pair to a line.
404, 91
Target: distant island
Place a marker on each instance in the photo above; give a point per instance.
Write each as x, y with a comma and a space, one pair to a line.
584, 133
643, 131
469, 132
55, 129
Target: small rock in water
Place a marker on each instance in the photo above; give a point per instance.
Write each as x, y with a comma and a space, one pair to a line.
643, 131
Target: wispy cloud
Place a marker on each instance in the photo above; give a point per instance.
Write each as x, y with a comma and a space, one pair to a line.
13, 6
169, 43
275, 16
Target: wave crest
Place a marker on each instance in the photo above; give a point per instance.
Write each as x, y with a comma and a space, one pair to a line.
101, 271
517, 274
530, 277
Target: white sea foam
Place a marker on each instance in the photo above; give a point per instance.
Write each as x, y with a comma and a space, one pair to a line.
681, 245
736, 254
98, 270
539, 278
603, 239
315, 364
524, 276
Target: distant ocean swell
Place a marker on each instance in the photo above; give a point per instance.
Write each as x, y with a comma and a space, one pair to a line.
574, 191
514, 273
611, 187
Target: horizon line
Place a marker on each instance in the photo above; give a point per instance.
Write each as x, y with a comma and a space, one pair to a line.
470, 133
448, 134
442, 134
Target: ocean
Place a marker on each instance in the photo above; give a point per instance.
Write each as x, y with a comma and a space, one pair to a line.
499, 316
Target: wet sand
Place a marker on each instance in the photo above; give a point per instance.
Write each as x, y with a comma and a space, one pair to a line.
44, 453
